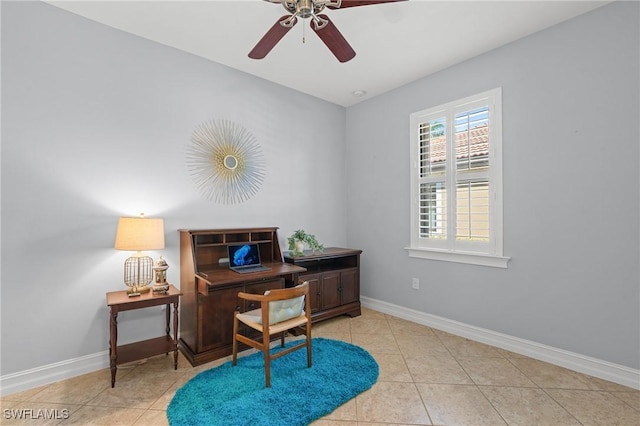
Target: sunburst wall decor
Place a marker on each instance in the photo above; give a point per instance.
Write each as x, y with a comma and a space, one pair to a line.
225, 161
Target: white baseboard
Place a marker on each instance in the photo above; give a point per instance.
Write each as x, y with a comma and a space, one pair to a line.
583, 364
29, 379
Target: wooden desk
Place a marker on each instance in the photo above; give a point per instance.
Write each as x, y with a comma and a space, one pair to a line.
119, 301
210, 289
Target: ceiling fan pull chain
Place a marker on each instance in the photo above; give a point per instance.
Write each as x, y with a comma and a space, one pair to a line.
304, 30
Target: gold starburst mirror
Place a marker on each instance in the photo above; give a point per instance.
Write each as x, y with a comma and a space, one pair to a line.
225, 161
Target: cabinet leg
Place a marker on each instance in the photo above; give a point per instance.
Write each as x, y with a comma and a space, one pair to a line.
355, 313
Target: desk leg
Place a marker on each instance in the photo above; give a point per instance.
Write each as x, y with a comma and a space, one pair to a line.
167, 330
113, 345
175, 334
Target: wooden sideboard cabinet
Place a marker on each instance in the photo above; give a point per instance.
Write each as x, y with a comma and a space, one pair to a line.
334, 281
210, 289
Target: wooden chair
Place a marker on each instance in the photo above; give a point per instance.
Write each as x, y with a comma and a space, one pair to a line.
280, 310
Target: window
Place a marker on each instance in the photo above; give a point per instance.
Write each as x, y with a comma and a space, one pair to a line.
456, 181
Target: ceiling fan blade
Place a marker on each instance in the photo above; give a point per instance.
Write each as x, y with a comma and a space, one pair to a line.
271, 38
353, 3
334, 40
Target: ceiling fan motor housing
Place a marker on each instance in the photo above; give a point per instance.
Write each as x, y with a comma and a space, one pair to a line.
304, 8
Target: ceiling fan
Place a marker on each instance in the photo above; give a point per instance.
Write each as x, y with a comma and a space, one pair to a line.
320, 24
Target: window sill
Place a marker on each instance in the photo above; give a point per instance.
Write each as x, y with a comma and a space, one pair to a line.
459, 257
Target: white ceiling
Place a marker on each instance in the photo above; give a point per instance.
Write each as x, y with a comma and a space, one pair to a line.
395, 43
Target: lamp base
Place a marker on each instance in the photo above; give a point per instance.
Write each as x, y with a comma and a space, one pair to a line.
138, 274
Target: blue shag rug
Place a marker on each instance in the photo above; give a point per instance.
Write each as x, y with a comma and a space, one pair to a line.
228, 395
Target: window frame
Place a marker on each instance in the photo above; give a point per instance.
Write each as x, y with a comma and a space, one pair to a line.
450, 248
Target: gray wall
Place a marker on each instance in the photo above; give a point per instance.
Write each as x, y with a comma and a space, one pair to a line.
571, 190
95, 123
94, 126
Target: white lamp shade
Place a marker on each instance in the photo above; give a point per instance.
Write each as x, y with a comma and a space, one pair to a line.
140, 233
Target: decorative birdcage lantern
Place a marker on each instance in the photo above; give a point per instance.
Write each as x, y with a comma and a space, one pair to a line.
160, 284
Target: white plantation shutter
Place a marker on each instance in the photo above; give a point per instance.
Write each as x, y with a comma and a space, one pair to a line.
472, 145
431, 170
456, 177
433, 147
433, 211
472, 210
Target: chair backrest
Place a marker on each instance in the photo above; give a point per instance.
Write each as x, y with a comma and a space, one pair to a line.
285, 303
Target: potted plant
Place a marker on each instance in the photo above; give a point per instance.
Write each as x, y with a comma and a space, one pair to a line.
299, 238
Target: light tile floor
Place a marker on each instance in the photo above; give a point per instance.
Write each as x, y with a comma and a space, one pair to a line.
427, 377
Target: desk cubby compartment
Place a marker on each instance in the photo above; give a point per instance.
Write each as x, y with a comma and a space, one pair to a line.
237, 238
209, 239
262, 236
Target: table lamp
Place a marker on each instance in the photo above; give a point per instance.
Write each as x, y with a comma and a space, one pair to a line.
138, 234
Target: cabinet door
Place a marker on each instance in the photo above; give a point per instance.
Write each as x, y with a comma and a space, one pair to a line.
215, 318
330, 290
314, 291
349, 286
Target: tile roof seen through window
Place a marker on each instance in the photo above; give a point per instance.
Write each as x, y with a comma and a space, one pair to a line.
469, 144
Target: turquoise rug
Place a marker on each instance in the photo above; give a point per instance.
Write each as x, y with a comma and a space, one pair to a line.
228, 395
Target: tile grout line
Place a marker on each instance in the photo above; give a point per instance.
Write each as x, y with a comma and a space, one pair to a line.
413, 381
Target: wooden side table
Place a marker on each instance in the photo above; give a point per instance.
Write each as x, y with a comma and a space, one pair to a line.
119, 301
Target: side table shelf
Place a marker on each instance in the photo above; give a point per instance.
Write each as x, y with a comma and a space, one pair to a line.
119, 301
